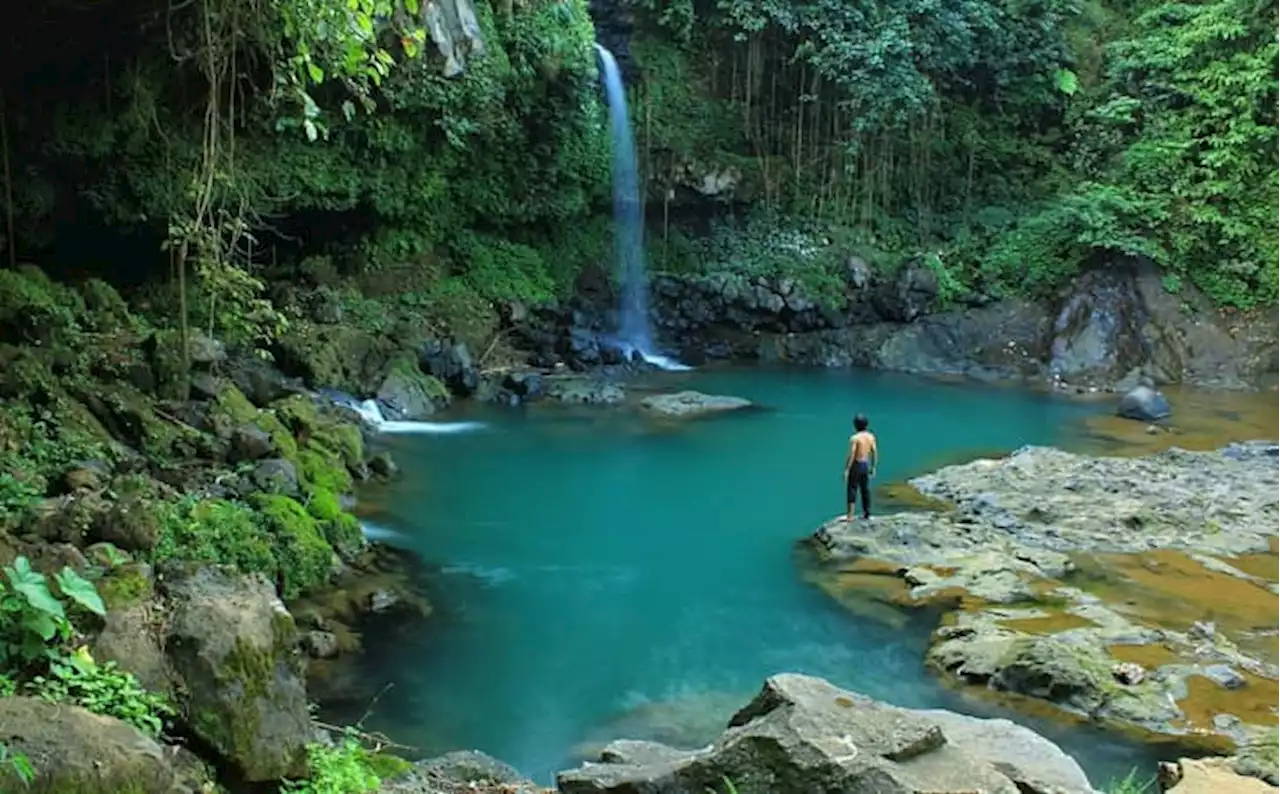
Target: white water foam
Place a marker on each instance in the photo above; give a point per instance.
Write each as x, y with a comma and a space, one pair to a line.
369, 410
375, 532
665, 362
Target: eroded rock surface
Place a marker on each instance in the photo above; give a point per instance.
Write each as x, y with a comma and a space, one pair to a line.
803, 734
691, 405
1087, 582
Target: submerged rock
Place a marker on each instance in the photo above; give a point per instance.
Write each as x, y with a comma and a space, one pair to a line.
692, 404
802, 734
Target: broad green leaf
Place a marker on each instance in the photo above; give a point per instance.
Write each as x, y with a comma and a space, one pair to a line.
32, 586
316, 73
40, 624
1066, 81
310, 127
81, 591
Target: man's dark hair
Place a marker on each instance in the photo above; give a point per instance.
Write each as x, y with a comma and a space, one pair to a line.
860, 423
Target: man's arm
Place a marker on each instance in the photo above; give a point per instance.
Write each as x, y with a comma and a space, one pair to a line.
848, 458
875, 456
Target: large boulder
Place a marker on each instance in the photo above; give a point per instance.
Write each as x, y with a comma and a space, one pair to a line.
1097, 334
1144, 404
231, 644
74, 750
691, 404
408, 393
1209, 776
452, 365
804, 734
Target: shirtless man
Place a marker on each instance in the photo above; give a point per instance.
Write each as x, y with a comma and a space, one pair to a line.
859, 467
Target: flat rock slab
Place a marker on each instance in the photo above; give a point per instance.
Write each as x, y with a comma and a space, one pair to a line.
802, 734
692, 404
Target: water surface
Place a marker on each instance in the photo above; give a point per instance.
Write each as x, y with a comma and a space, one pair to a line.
595, 563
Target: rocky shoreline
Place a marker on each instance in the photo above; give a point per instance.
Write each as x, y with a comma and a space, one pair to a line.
1137, 592
205, 496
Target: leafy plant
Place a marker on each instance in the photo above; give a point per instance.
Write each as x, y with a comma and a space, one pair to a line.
1131, 783
19, 763
32, 619
103, 689
340, 769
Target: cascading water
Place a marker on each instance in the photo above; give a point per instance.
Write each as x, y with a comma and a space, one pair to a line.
635, 333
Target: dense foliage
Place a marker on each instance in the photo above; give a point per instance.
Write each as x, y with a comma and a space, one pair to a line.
231, 143
1018, 140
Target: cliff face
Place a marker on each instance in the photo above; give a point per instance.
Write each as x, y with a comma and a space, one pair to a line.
615, 23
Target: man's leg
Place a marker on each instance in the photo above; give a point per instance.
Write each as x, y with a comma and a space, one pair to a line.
850, 495
864, 488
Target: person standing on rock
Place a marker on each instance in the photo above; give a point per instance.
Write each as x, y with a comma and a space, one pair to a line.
860, 467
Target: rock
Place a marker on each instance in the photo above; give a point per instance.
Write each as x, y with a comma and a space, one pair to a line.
1128, 673
1145, 405
691, 404
320, 644
464, 769
129, 639
1031, 761
525, 385
85, 478
1209, 776
1096, 336
250, 442
276, 476
383, 465
803, 734
75, 750
586, 392
1004, 543
910, 294
206, 351
131, 524
1258, 758
408, 394
452, 365
1223, 676
231, 643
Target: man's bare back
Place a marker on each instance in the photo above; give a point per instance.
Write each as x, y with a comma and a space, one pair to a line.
859, 467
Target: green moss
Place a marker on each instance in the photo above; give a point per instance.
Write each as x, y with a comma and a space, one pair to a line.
287, 445
35, 309
344, 534
216, 531
124, 585
232, 404
304, 556
386, 765
324, 505
323, 472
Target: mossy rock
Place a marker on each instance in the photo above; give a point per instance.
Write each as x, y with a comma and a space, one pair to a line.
231, 644
126, 585
338, 356
305, 557
74, 751
105, 309
35, 309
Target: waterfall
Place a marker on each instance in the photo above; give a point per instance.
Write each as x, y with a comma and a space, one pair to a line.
635, 333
